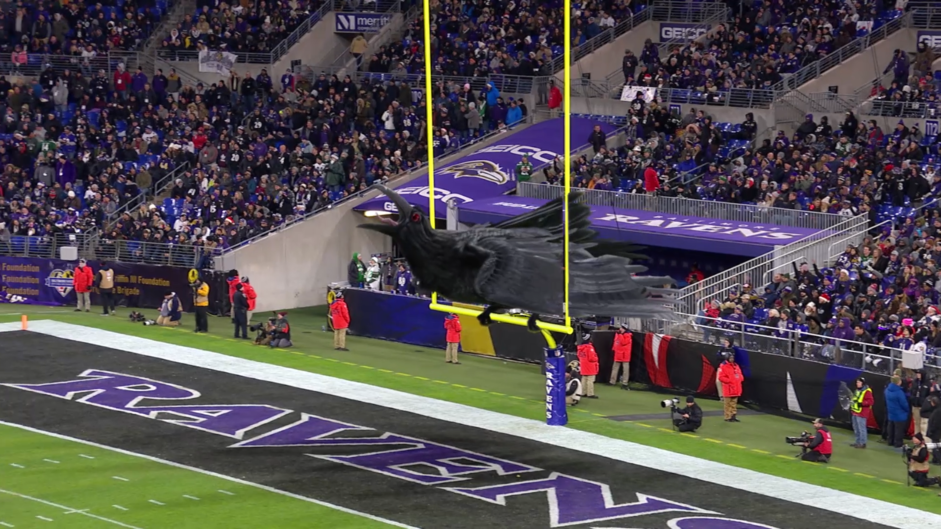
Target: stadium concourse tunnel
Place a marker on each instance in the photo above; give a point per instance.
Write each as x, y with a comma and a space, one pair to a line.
774, 383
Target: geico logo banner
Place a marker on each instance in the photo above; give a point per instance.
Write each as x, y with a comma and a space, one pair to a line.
440, 194
535, 153
681, 32
932, 38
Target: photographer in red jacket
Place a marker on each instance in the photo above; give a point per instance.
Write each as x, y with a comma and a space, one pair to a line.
82, 279
623, 341
452, 325
588, 362
820, 448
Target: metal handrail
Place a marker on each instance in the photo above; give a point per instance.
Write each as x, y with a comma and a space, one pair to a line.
925, 15
811, 246
91, 245
828, 62
159, 186
360, 194
512, 84
604, 38
874, 229
689, 207
899, 109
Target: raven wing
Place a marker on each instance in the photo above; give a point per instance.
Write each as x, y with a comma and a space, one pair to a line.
526, 273
549, 217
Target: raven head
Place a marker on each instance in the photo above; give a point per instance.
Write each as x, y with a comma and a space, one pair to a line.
410, 218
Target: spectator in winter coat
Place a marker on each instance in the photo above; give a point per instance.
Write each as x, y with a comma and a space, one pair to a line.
233, 281
555, 97
896, 404
82, 279
917, 394
340, 316
356, 272
250, 296
588, 361
651, 179
622, 357
861, 409
452, 326
730, 374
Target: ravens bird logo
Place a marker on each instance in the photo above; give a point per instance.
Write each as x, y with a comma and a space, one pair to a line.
482, 169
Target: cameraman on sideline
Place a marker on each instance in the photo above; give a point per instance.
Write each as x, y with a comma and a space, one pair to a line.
918, 466
820, 448
281, 335
691, 418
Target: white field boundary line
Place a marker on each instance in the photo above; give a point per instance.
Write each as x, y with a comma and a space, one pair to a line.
67, 510
205, 472
847, 504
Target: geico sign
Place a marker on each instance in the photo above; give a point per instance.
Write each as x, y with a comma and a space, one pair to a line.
440, 194
521, 150
669, 33
933, 40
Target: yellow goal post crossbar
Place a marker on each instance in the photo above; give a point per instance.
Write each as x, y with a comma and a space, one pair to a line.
520, 320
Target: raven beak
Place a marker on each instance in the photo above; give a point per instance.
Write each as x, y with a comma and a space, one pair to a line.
400, 203
384, 229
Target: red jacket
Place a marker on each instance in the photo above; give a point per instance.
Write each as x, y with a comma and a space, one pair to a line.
588, 359
865, 407
622, 346
232, 284
555, 97
122, 81
651, 180
82, 278
340, 314
250, 295
731, 377
453, 326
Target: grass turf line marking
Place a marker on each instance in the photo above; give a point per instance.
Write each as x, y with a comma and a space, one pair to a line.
459, 386
64, 508
838, 469
390, 371
85, 456
785, 457
76, 511
860, 474
227, 492
478, 389
187, 496
44, 518
735, 446
118, 507
892, 481
7, 524
155, 502
517, 398
119, 478
665, 430
757, 451
769, 485
51, 461
497, 394
351, 364
422, 378
440, 382
403, 374
643, 425
712, 440
16, 465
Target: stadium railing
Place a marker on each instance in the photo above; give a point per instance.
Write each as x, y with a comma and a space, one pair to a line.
94, 246
157, 188
876, 358
688, 207
760, 270
898, 109
926, 15
512, 84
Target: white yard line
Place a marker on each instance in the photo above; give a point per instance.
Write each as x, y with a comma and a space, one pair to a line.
119, 478
208, 473
7, 524
16, 465
51, 461
85, 456
187, 496
155, 502
118, 507
44, 518
67, 510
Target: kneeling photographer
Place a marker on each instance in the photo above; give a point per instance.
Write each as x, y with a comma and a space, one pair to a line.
917, 458
689, 419
263, 331
820, 447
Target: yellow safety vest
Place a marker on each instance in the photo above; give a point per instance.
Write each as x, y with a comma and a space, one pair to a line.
858, 400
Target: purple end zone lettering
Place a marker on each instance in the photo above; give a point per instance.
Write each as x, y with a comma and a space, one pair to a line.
575, 501
308, 431
708, 522
120, 392
231, 420
110, 390
449, 462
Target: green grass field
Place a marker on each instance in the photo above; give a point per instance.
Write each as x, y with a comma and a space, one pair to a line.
517, 389
46, 479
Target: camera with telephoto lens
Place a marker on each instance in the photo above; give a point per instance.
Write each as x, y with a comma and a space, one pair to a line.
673, 404
803, 438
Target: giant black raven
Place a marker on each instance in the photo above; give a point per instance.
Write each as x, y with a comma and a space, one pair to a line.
518, 264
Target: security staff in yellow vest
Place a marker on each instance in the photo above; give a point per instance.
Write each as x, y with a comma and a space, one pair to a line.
201, 305
918, 466
104, 280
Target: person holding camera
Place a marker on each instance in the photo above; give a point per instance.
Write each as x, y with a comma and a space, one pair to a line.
281, 334
171, 311
918, 466
691, 418
201, 305
820, 448
573, 388
730, 374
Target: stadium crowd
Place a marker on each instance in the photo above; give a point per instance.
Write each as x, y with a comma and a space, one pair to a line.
240, 27
502, 37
